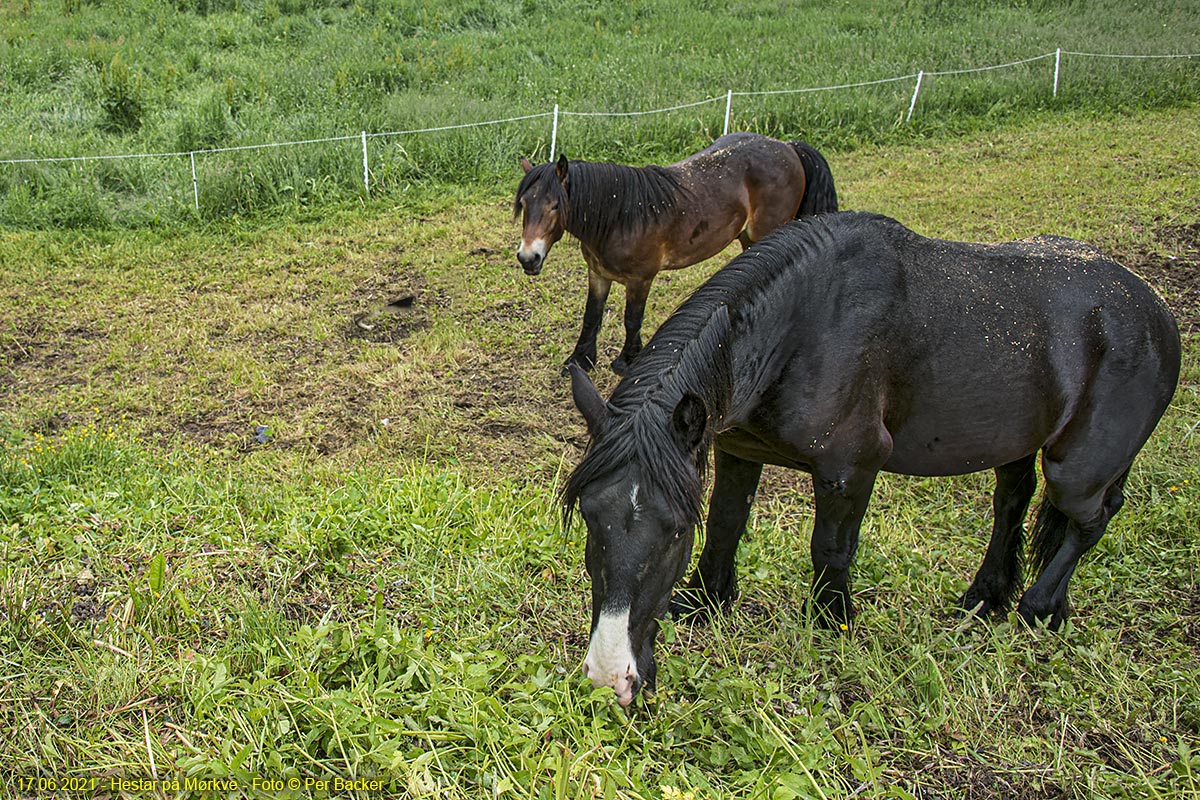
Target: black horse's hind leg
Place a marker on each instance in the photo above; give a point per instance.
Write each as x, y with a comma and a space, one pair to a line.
585, 349
714, 586
999, 578
636, 292
1067, 527
841, 503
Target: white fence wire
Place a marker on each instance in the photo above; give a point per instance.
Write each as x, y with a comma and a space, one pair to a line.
556, 114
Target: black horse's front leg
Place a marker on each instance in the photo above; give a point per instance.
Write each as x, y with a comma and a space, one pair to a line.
714, 586
636, 293
593, 314
841, 502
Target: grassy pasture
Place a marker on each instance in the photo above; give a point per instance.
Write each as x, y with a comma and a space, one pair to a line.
382, 588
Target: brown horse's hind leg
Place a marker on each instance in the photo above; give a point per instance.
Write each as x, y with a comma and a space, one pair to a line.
999, 577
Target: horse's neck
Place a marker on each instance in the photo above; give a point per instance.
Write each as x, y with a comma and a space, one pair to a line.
757, 358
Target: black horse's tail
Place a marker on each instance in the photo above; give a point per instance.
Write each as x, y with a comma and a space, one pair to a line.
1050, 526
1049, 532
819, 194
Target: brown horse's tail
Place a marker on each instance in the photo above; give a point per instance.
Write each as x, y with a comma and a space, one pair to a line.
819, 194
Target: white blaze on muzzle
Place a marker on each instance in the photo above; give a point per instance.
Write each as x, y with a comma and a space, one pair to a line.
530, 251
610, 660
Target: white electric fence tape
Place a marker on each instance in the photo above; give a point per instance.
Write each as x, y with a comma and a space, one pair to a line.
1057, 55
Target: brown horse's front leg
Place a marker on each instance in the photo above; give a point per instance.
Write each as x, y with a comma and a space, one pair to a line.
585, 349
635, 310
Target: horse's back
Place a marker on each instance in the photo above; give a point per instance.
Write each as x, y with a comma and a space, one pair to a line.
729, 144
736, 159
1057, 283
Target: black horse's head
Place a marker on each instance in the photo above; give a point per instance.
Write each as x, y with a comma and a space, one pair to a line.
542, 203
638, 491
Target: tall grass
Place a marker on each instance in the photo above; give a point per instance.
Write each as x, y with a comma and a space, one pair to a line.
150, 77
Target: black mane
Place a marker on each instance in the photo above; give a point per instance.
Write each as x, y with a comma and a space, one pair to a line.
606, 199
690, 359
690, 354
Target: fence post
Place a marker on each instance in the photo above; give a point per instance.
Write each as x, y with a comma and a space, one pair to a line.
1057, 64
554, 133
366, 171
195, 185
728, 109
916, 90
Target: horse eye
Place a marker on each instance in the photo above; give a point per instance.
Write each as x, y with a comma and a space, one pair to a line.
554, 206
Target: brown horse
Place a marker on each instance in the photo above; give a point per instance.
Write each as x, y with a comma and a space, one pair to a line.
633, 222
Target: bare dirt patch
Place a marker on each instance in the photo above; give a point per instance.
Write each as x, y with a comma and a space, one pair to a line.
1173, 267
391, 307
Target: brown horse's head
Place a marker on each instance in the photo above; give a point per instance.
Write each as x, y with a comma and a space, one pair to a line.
542, 203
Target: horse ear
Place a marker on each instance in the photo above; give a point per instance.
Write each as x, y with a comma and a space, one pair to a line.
588, 400
689, 421
560, 168
526, 164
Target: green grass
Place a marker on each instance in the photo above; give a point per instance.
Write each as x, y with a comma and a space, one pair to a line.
146, 76
280, 619
383, 590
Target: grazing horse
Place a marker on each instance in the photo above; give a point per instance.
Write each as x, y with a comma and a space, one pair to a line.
843, 345
633, 222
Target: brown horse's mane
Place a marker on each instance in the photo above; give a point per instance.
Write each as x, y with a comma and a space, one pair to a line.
605, 200
613, 199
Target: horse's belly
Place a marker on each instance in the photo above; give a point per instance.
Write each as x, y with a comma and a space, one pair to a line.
701, 240
764, 449
950, 445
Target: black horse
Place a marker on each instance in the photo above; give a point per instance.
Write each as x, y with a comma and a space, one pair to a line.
843, 345
633, 222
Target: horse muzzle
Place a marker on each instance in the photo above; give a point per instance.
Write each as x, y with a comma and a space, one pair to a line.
626, 683
532, 256
532, 265
610, 658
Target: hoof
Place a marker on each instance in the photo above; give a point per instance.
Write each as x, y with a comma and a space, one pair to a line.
833, 614
989, 597
1053, 617
972, 605
620, 365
